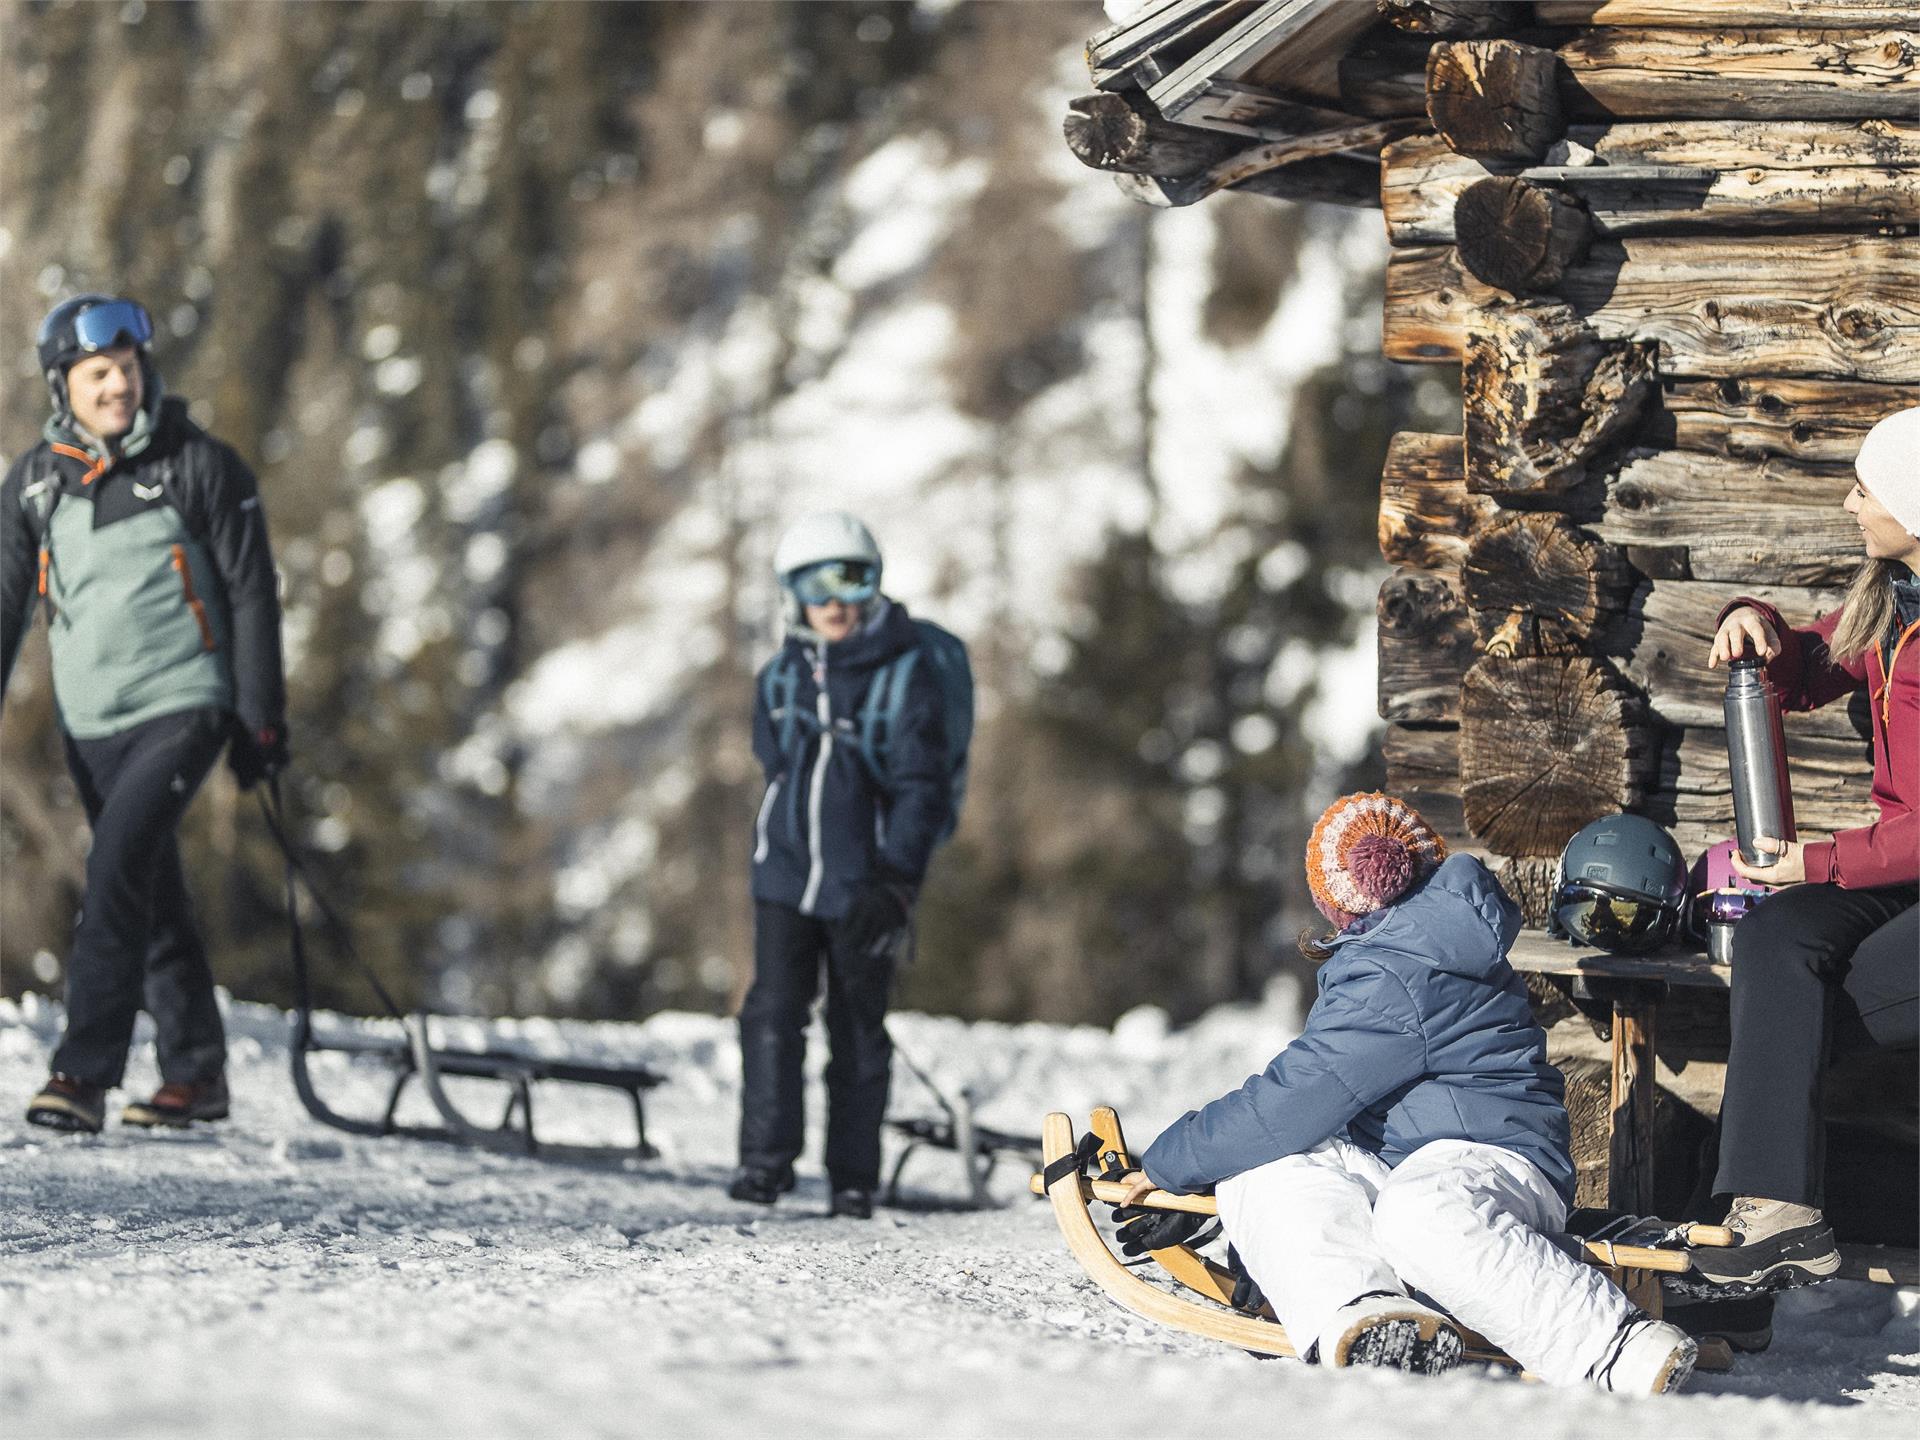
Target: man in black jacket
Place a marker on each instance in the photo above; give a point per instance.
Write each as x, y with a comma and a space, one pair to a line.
145, 537
841, 844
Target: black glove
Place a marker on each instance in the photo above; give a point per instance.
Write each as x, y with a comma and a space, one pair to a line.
1247, 1295
1143, 1229
257, 754
879, 915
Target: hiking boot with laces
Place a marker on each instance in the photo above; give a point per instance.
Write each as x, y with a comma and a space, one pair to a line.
65, 1103
1778, 1246
1646, 1357
179, 1103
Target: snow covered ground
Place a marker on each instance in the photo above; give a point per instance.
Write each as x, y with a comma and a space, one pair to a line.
272, 1277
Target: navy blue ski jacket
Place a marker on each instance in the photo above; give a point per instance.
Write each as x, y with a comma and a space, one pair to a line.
827, 821
1421, 1032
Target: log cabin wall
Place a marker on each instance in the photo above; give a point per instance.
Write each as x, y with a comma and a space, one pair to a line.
1676, 263
1671, 245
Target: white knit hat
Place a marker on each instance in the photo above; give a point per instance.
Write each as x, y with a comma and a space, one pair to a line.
1889, 466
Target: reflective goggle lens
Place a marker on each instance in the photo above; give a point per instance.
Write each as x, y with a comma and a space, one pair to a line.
1613, 922
849, 581
123, 322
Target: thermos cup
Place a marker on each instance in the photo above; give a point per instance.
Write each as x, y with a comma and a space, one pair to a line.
1757, 759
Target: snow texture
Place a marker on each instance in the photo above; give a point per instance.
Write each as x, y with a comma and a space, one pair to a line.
271, 1276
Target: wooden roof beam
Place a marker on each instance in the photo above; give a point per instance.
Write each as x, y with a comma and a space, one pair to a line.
1713, 14
1169, 164
1776, 75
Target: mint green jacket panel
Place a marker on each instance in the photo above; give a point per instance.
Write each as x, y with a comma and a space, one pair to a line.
135, 633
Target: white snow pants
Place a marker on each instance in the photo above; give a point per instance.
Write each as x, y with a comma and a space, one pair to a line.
1457, 1221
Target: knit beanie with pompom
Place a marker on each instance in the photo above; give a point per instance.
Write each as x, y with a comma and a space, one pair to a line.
1367, 851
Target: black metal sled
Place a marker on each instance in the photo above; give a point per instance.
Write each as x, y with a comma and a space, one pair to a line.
415, 1056
978, 1146
412, 1054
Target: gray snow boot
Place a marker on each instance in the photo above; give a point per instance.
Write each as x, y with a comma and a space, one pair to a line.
1780, 1245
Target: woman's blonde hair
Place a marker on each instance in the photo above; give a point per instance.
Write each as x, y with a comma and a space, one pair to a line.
1866, 612
1317, 947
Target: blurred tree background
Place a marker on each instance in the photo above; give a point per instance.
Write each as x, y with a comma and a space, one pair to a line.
538, 320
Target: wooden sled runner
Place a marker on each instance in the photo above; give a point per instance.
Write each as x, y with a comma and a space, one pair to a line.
1629, 1254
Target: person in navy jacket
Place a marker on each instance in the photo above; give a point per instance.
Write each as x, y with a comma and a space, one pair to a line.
1413, 1138
839, 852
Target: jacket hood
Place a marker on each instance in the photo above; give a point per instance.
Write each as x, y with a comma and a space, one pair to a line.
1458, 920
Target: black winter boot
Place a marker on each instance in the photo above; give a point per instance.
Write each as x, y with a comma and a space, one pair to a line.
854, 1203
758, 1185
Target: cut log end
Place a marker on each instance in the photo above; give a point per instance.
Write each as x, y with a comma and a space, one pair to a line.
1519, 237
1545, 399
1115, 132
1546, 745
1538, 586
1495, 99
1457, 19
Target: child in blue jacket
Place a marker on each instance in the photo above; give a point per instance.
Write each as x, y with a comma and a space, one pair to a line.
1413, 1140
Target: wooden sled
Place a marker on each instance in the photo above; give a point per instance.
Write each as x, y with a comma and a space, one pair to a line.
1636, 1267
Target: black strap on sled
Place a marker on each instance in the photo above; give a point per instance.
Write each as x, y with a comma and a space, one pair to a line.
1084, 1154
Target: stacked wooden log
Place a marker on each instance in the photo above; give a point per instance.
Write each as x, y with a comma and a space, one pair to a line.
1672, 245
1677, 265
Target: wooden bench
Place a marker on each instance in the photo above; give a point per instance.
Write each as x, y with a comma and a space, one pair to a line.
1634, 986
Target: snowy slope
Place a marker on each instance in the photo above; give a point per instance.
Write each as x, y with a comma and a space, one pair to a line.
271, 1277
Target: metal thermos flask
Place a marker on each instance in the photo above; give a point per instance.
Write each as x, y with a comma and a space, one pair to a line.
1757, 758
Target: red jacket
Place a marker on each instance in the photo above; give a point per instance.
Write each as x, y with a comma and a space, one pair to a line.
1806, 675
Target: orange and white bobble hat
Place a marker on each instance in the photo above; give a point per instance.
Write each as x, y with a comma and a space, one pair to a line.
1367, 851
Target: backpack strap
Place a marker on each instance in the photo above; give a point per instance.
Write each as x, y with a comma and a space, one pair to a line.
880, 711
39, 494
780, 688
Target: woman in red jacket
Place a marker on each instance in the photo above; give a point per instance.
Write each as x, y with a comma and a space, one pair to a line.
1829, 963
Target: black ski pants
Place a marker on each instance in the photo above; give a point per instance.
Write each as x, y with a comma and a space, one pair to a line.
1818, 971
789, 950
135, 944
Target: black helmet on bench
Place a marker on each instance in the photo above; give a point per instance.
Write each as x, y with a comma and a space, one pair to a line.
1622, 886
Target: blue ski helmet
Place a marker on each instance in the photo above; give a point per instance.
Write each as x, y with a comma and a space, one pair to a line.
1622, 886
86, 325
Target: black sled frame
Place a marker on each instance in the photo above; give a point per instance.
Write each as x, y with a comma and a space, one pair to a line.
413, 1055
979, 1147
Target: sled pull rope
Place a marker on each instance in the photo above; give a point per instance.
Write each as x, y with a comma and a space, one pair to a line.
273, 811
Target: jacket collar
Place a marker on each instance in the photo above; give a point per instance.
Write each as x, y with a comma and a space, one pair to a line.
149, 422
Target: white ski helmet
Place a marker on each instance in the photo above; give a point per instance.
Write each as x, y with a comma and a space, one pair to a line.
822, 536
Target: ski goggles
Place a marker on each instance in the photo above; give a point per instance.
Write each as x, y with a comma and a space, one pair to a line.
848, 581
1622, 924
118, 322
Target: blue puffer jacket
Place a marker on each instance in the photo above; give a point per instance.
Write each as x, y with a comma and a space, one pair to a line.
1421, 1032
827, 823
